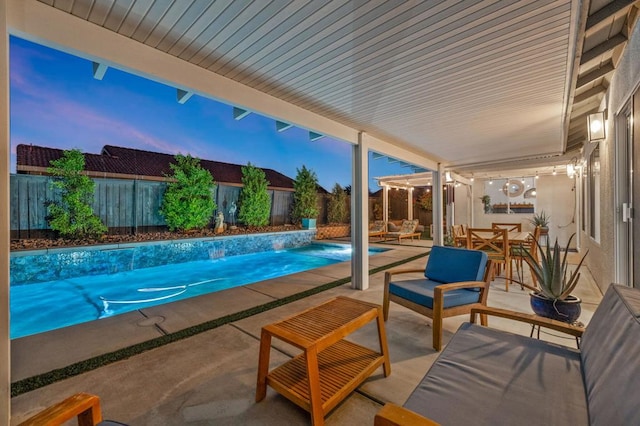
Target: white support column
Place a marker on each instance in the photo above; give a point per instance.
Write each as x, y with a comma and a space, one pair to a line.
5, 341
410, 203
438, 238
360, 215
385, 203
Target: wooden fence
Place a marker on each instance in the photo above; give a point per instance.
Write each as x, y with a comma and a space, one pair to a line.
124, 206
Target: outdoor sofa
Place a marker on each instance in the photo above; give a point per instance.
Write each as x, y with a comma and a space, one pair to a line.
487, 377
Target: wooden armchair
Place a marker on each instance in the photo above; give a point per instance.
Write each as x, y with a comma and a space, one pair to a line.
455, 280
84, 406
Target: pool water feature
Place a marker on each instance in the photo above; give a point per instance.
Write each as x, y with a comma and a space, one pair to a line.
42, 306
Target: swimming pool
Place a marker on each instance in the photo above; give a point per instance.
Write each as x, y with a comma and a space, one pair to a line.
42, 306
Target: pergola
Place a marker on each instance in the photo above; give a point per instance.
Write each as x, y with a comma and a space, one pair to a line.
410, 181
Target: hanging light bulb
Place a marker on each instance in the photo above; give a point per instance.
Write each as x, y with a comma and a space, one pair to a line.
522, 180
537, 175
554, 170
490, 181
471, 177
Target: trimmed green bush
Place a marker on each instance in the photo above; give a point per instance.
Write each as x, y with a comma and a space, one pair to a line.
305, 197
73, 215
255, 203
188, 201
337, 205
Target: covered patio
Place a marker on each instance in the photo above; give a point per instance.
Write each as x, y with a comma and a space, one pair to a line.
479, 89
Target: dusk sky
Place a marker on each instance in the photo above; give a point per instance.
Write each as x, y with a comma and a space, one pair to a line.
56, 102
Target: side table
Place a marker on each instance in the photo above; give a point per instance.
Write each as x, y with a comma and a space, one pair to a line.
329, 368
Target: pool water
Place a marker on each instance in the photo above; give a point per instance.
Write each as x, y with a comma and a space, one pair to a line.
44, 306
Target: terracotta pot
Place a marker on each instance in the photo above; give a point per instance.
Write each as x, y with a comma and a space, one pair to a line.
567, 310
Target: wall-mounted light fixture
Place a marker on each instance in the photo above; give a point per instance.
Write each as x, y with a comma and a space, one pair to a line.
596, 126
572, 168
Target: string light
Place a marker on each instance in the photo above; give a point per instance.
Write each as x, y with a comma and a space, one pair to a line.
554, 170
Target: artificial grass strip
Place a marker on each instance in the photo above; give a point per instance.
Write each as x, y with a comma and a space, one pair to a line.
32, 383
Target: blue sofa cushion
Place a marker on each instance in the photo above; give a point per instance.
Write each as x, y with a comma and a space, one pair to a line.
452, 265
420, 291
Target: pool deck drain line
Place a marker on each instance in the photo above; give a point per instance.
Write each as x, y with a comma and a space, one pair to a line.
35, 382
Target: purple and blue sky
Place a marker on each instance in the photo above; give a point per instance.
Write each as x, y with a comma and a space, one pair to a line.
56, 102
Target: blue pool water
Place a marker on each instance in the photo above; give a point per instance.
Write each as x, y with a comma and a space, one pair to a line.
44, 306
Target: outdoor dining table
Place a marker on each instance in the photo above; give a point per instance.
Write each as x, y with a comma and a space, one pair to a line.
514, 237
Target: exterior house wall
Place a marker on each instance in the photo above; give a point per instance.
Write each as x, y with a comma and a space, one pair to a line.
601, 259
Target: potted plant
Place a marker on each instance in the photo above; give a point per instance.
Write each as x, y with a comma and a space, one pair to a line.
305, 198
542, 220
551, 297
486, 200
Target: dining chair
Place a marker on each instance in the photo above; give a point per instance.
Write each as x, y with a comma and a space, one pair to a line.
494, 242
518, 253
459, 237
510, 227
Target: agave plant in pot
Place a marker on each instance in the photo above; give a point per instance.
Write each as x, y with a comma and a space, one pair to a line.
542, 220
554, 282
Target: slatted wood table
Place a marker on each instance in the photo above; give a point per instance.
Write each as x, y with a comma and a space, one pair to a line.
329, 368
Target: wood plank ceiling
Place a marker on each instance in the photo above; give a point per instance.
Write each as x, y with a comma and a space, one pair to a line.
467, 82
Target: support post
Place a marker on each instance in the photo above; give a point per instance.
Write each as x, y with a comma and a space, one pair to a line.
5, 341
410, 203
360, 214
385, 203
438, 238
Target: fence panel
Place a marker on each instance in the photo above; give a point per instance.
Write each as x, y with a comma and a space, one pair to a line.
281, 202
148, 196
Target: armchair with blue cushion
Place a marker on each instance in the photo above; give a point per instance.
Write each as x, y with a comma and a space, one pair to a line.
455, 280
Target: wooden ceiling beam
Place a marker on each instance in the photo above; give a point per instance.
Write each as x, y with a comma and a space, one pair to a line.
602, 48
585, 109
595, 91
595, 74
607, 11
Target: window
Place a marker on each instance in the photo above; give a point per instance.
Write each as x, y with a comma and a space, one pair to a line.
514, 195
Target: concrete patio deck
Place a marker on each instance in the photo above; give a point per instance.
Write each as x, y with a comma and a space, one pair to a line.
210, 378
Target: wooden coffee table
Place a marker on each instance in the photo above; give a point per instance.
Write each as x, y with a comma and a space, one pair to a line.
329, 368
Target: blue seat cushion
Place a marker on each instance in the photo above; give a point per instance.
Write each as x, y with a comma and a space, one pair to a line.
421, 290
453, 264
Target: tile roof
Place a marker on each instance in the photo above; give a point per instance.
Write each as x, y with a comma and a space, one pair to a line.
127, 161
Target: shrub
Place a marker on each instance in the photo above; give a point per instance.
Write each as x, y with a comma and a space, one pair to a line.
73, 215
188, 201
337, 206
305, 196
255, 203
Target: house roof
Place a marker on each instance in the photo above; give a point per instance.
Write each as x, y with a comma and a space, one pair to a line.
117, 161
